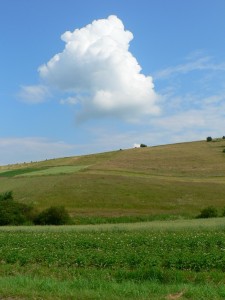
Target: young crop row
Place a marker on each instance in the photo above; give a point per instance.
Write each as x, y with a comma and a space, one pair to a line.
137, 252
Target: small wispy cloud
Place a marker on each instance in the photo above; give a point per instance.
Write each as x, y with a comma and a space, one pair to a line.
69, 100
200, 64
33, 94
191, 117
193, 106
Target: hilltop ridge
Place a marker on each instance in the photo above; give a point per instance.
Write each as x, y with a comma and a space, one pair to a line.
176, 179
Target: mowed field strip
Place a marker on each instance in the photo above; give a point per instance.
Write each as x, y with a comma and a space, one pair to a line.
55, 171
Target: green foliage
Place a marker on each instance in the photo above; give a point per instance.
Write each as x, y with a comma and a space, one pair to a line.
223, 212
54, 215
14, 213
208, 212
84, 220
209, 139
6, 196
140, 255
71, 263
223, 150
143, 145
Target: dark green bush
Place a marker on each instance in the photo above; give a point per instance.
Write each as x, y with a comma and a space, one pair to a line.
6, 196
54, 215
14, 213
143, 145
223, 212
209, 139
208, 212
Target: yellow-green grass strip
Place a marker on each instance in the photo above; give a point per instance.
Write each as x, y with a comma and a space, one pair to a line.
55, 171
210, 224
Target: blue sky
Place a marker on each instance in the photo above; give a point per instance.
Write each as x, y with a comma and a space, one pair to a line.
134, 71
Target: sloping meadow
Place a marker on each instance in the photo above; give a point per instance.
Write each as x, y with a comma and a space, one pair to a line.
151, 182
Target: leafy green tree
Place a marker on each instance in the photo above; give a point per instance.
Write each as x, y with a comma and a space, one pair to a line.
208, 212
14, 213
54, 215
209, 139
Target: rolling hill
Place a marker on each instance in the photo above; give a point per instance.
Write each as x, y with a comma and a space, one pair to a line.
178, 179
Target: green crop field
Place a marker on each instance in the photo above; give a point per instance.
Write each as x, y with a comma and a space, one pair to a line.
154, 260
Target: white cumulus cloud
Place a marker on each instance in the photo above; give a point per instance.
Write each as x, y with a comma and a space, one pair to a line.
97, 69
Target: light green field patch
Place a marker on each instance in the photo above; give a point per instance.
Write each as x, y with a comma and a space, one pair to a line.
3, 170
55, 171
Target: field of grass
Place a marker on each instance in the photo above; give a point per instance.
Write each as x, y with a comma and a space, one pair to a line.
135, 184
153, 260
171, 257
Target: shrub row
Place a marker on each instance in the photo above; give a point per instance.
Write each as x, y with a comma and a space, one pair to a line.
15, 213
210, 212
210, 139
54, 215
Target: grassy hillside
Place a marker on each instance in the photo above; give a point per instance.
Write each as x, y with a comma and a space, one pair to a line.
177, 179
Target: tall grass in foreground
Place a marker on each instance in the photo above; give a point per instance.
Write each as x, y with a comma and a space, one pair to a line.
130, 261
83, 289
